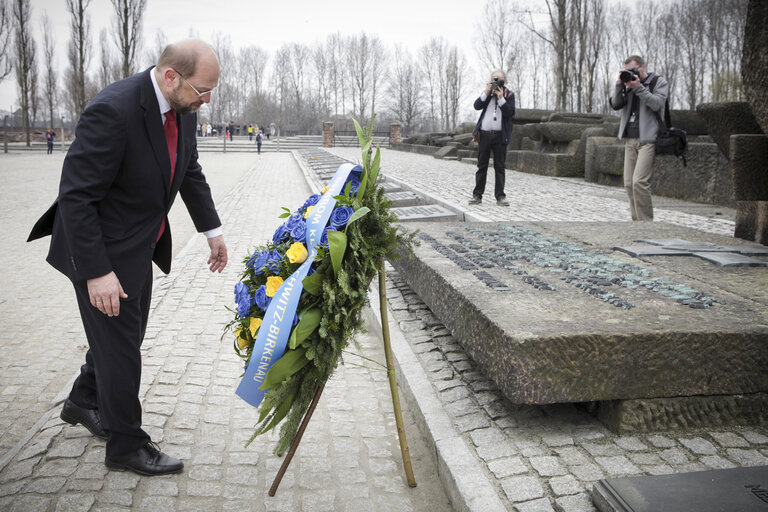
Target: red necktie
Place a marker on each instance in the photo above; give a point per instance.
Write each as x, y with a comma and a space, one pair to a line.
172, 139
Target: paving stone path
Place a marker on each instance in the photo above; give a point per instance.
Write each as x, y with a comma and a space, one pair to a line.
512, 457
349, 459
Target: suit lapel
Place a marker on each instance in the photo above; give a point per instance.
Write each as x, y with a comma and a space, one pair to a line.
154, 125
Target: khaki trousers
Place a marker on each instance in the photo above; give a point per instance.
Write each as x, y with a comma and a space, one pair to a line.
638, 170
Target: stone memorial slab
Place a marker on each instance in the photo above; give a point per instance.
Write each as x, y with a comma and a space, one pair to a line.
722, 255
389, 186
730, 259
404, 198
551, 313
652, 250
427, 212
721, 490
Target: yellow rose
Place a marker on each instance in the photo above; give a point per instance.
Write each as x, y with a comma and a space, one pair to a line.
254, 325
296, 253
273, 284
241, 342
309, 209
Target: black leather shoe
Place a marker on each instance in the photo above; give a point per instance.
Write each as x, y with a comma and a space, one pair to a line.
502, 202
147, 460
89, 418
476, 200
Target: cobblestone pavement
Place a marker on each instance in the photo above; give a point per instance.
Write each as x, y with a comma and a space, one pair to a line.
492, 455
349, 458
541, 458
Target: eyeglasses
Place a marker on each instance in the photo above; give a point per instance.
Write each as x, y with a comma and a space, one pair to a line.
199, 94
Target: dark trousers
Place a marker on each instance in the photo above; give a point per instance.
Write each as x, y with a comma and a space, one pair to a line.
490, 142
110, 378
50, 147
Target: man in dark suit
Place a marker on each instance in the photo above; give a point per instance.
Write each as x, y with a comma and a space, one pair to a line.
135, 148
492, 133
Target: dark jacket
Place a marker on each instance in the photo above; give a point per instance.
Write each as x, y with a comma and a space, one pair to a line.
115, 188
507, 113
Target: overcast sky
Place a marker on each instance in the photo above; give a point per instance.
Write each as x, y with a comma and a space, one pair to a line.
270, 23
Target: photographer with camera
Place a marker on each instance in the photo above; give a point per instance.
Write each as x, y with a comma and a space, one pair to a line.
639, 96
492, 133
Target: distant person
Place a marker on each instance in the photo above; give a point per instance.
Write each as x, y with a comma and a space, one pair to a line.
49, 136
250, 132
492, 132
639, 125
208, 130
259, 138
110, 222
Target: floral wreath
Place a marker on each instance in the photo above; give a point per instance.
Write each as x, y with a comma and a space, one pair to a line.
327, 278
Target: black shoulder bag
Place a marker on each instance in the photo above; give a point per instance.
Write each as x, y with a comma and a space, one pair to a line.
669, 140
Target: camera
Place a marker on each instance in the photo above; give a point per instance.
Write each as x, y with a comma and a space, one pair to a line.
628, 75
498, 83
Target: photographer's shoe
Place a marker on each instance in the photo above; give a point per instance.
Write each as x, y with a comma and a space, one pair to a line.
89, 418
476, 200
502, 202
147, 460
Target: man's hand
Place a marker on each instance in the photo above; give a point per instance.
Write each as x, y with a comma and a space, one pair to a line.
634, 83
488, 87
218, 259
105, 293
499, 92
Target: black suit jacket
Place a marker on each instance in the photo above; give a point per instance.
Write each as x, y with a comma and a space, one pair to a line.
115, 188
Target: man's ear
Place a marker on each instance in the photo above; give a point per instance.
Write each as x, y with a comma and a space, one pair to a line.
169, 75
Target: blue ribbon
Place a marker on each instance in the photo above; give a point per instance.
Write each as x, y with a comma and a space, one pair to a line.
275, 329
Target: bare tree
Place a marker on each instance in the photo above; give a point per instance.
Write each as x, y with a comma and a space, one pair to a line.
559, 41
454, 77
405, 89
222, 103
365, 55
321, 72
494, 35
379, 62
49, 54
6, 28
336, 48
79, 54
152, 54
432, 56
252, 64
108, 70
127, 32
25, 64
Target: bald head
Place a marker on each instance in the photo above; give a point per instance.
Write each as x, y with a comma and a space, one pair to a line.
185, 57
187, 72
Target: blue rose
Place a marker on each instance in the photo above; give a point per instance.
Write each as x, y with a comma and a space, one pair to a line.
281, 234
257, 262
354, 186
260, 298
324, 238
294, 220
295, 319
273, 261
299, 232
340, 216
311, 200
240, 289
243, 299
